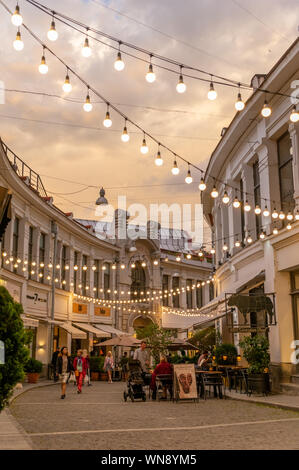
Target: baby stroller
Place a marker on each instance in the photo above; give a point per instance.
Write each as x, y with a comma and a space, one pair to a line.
135, 381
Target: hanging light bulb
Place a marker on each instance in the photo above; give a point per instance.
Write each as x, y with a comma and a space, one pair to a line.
159, 159
289, 226
239, 104
125, 136
43, 68
249, 240
290, 216
144, 147
16, 18
213, 251
52, 33
202, 185
275, 231
236, 203
86, 51
266, 212
18, 43
297, 215
150, 76
107, 121
225, 247
257, 209
225, 198
282, 215
212, 94
119, 64
181, 87
67, 87
188, 178
247, 207
214, 192
87, 106
275, 214
175, 169
237, 244
294, 117
266, 111
262, 235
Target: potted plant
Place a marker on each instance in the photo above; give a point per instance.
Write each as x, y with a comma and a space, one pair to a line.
256, 352
225, 354
33, 368
96, 365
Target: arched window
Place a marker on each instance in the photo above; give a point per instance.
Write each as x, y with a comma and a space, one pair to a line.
138, 280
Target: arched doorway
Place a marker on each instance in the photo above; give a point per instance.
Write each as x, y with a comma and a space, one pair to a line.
138, 283
142, 322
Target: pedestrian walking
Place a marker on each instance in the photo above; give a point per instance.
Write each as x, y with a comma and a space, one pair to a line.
53, 363
63, 368
79, 365
109, 366
86, 356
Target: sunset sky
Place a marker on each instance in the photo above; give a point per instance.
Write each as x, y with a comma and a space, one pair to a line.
71, 149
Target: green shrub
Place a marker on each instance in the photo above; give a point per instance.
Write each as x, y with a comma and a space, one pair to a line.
96, 364
204, 339
15, 339
256, 352
226, 349
33, 366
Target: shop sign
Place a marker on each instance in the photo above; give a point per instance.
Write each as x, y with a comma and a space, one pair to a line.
36, 300
102, 311
79, 308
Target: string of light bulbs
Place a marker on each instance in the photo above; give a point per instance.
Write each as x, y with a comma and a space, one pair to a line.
43, 68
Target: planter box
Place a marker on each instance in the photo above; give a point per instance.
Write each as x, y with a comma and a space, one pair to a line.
258, 383
95, 376
32, 377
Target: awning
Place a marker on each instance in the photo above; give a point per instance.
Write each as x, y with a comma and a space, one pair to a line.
75, 332
110, 329
91, 329
213, 310
29, 322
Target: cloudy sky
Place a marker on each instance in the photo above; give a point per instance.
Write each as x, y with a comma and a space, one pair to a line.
71, 149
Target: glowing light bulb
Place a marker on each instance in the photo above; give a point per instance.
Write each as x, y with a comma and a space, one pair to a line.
175, 169
67, 87
150, 76
225, 198
282, 215
249, 240
212, 94
214, 193
144, 147
87, 105
43, 68
275, 231
266, 212
213, 251
189, 178
266, 111
16, 18
294, 117
247, 207
262, 235
289, 226
159, 159
125, 136
239, 104
107, 121
275, 214
202, 185
236, 203
258, 210
52, 33
237, 244
86, 51
119, 64
181, 87
290, 216
225, 247
18, 43
297, 215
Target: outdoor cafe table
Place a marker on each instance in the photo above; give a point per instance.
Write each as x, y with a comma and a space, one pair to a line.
206, 372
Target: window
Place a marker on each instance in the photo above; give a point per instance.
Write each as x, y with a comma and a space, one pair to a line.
295, 302
165, 280
106, 281
189, 293
138, 283
42, 248
257, 196
15, 240
285, 168
176, 297
96, 278
199, 297
30, 251
63, 265
76, 257
84, 273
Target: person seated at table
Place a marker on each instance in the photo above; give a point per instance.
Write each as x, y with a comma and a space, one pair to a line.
163, 368
203, 361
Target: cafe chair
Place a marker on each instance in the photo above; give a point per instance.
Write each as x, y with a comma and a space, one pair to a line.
215, 381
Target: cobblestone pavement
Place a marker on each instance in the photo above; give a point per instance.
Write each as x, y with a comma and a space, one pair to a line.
102, 420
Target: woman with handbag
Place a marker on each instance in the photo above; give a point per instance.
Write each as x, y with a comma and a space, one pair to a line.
87, 377
63, 368
79, 365
109, 366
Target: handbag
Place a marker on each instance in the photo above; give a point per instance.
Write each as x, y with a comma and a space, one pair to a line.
76, 373
86, 379
72, 377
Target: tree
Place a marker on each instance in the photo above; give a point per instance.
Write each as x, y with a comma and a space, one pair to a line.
158, 339
15, 339
205, 339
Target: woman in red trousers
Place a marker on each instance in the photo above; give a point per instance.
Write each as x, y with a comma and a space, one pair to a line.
80, 368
